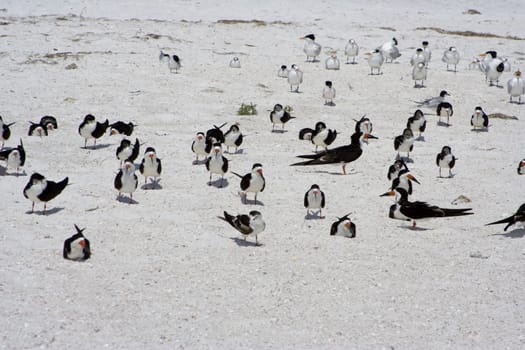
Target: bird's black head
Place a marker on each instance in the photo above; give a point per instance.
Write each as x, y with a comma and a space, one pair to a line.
125, 143
176, 58
36, 177
234, 127
419, 49
278, 107
283, 67
418, 113
89, 118
424, 43
444, 93
320, 126
399, 164
478, 109
328, 83
310, 36
255, 213
395, 41
314, 187
150, 149
446, 150
407, 133
256, 165
492, 53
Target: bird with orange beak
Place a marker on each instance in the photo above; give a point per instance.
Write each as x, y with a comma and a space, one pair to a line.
252, 182
151, 166
343, 227
77, 247
126, 180
314, 199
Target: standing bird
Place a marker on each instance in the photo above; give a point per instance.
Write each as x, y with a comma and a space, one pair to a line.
14, 157
390, 50
394, 169
151, 166
213, 136
444, 109
433, 102
351, 50
172, 60
343, 227
198, 146
235, 63
445, 159
91, 129
493, 67
321, 136
419, 73
295, 77
216, 163
479, 119
39, 189
279, 116
418, 57
328, 93
406, 210
375, 61
404, 143
339, 155
233, 137
516, 86
126, 152
311, 48
517, 218
417, 123
332, 62
5, 131
252, 182
37, 129
451, 57
126, 180
427, 52
521, 167
77, 246
283, 72
121, 128
248, 225
314, 199
49, 122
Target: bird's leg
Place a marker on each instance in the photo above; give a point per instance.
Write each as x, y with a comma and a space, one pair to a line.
273, 127
414, 224
255, 198
291, 89
44, 209
210, 179
439, 171
316, 148
130, 198
353, 61
449, 172
256, 240
85, 143
222, 181
33, 208
448, 119
344, 169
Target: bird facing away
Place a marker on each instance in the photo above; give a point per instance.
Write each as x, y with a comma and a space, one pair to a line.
311, 48
328, 93
375, 61
77, 247
14, 157
332, 63
39, 189
390, 50
295, 77
521, 167
247, 225
5, 131
417, 123
279, 116
172, 60
91, 129
121, 128
517, 218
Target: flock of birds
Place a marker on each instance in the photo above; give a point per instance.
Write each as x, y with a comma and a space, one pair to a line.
208, 146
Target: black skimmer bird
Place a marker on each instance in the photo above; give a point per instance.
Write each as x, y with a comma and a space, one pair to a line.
172, 60
233, 137
321, 136
198, 146
351, 50
404, 143
14, 157
216, 163
375, 61
5, 131
451, 57
479, 119
248, 225
127, 152
37, 129
39, 189
418, 57
417, 123
493, 67
126, 180
406, 210
151, 166
516, 86
314, 199
433, 102
332, 62
283, 72
91, 129
517, 218
279, 116
427, 52
445, 159
521, 167
311, 48
404, 180
343, 227
295, 77
77, 246
419, 73
235, 63
121, 128
444, 109
365, 126
394, 169
328, 93
49, 122
213, 136
339, 155
252, 182
390, 50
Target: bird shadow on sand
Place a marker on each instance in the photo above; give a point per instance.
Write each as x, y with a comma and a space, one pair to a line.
440, 123
279, 131
517, 233
420, 138
242, 243
3, 172
47, 212
405, 159
330, 104
199, 162
239, 151
251, 201
219, 183
446, 177
480, 130
152, 186
126, 200
415, 229
314, 216
496, 86
99, 146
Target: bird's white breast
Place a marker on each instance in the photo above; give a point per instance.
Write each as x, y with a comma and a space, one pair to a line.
230, 138
314, 202
88, 128
444, 163
36, 189
216, 164
150, 167
256, 183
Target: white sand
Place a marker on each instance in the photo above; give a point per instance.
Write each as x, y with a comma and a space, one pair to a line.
166, 273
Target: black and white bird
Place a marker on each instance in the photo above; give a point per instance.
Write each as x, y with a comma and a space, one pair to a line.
295, 77
446, 160
332, 62
394, 169
252, 182
235, 63
127, 152
77, 247
213, 136
451, 57
121, 128
517, 218
328, 93
417, 123
412, 211
283, 72
433, 102
427, 52
343, 227
404, 143
320, 136
351, 51
37, 129
39, 189
5, 131
339, 155
418, 57
279, 116
216, 163
247, 225
311, 48
444, 109
49, 122
314, 199
126, 180
365, 126
233, 137
150, 166
172, 60
404, 180
516, 86
419, 73
375, 61
198, 146
14, 157
521, 167
493, 67
390, 50
479, 120
91, 129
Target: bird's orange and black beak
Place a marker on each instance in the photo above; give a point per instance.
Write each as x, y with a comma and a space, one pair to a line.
411, 177
388, 194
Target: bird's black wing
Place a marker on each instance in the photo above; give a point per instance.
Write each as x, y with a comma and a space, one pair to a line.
52, 190
135, 152
159, 166
485, 120
398, 141
118, 180
333, 229
100, 129
332, 135
224, 164
423, 126
141, 166
306, 199
245, 181
322, 199
238, 142
438, 158
208, 163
